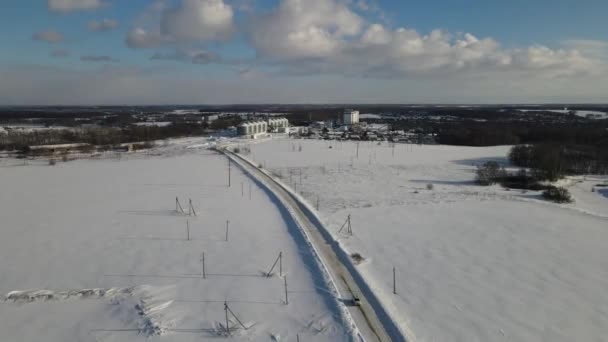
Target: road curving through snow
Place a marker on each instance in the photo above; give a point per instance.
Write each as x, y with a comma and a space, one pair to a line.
370, 317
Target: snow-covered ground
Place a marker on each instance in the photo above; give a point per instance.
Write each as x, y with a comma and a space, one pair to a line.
582, 113
93, 250
472, 263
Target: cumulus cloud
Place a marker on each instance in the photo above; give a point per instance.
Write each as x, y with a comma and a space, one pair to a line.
198, 20
190, 56
74, 5
59, 53
328, 36
102, 25
300, 29
50, 36
595, 48
190, 21
90, 58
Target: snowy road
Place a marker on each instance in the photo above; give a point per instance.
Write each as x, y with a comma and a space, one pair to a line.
370, 317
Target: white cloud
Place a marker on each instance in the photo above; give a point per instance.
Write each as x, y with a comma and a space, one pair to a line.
303, 29
73, 5
50, 36
187, 55
595, 48
138, 38
198, 20
102, 25
328, 36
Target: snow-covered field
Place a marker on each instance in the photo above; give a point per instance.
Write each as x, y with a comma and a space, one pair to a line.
472, 263
582, 113
93, 250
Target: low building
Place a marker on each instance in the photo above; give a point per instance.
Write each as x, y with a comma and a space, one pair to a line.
252, 128
278, 125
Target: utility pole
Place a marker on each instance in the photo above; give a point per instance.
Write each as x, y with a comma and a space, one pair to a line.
286, 298
346, 225
227, 224
229, 171
226, 310
280, 261
203, 262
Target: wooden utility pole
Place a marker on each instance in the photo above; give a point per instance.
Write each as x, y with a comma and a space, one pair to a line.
280, 261
346, 225
229, 171
242, 190
203, 262
227, 224
357, 150
286, 298
187, 230
191, 210
178, 206
233, 315
226, 311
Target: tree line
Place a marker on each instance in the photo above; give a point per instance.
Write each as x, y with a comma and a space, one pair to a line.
100, 136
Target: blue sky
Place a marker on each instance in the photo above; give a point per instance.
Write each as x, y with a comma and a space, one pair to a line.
468, 51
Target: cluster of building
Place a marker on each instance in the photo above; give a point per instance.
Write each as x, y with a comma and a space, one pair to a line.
253, 128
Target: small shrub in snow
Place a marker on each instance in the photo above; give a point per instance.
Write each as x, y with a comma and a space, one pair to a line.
429, 186
236, 150
558, 195
52, 162
488, 174
357, 258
